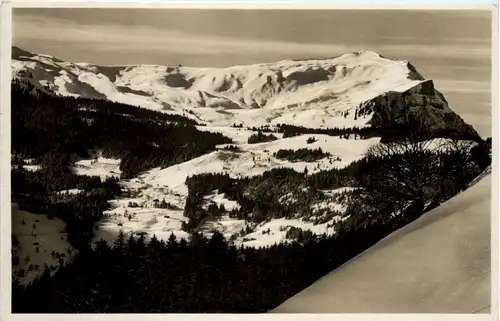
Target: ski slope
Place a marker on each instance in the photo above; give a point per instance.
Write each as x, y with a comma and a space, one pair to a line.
439, 263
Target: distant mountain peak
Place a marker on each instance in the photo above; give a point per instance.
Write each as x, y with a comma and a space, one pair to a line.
18, 53
355, 89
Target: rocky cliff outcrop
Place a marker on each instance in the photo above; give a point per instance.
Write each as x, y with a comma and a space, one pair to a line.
421, 103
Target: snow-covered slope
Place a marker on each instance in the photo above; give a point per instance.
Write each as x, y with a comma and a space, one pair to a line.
40, 241
354, 89
251, 159
438, 264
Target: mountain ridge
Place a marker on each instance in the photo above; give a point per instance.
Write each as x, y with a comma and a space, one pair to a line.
356, 89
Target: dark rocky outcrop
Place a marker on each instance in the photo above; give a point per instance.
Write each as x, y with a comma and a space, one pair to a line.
422, 103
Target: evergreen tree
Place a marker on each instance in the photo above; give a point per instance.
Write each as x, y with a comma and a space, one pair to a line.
120, 240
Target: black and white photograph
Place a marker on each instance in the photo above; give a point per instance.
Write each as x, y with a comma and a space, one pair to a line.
210, 160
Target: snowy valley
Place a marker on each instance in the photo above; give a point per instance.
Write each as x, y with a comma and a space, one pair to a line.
263, 154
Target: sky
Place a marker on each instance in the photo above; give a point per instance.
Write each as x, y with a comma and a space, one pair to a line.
451, 47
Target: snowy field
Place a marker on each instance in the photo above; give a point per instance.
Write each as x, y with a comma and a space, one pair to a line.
274, 231
41, 241
32, 168
102, 167
142, 213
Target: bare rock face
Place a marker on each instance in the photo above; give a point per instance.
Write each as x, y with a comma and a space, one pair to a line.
422, 103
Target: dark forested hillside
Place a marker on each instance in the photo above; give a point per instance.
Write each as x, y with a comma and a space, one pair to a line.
68, 128
202, 276
436, 176
56, 131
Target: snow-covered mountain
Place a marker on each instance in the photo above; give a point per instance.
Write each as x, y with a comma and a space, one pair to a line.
355, 89
258, 187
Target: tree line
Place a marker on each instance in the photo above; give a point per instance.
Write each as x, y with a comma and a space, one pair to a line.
259, 137
390, 133
301, 154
